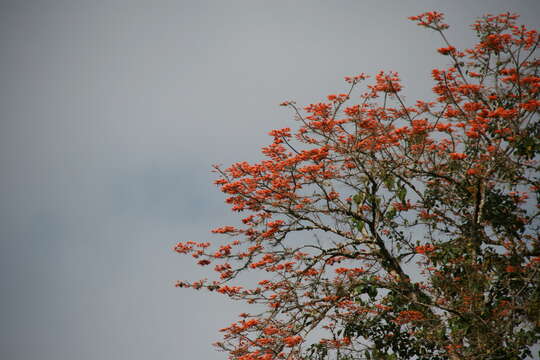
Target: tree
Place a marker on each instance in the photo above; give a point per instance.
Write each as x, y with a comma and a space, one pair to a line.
394, 231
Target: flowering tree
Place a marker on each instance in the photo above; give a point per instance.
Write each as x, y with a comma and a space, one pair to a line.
394, 231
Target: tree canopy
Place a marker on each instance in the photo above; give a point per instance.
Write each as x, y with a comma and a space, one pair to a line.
385, 230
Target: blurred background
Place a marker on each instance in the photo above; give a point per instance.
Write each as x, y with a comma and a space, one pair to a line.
111, 115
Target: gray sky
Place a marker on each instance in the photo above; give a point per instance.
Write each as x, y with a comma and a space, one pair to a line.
111, 115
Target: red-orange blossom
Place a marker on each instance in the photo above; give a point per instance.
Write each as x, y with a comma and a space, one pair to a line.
398, 231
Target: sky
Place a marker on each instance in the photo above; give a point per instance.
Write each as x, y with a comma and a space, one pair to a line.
111, 116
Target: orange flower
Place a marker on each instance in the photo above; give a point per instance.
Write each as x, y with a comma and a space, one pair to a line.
447, 50
408, 316
291, 341
457, 156
423, 249
270, 330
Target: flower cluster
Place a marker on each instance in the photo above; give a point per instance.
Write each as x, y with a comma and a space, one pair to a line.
342, 207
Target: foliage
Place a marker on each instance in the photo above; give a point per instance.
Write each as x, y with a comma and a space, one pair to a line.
395, 231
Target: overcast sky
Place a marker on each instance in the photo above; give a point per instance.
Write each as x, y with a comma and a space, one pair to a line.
111, 115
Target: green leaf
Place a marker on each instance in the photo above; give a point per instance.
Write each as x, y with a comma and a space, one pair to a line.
389, 182
358, 198
402, 193
390, 214
372, 292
